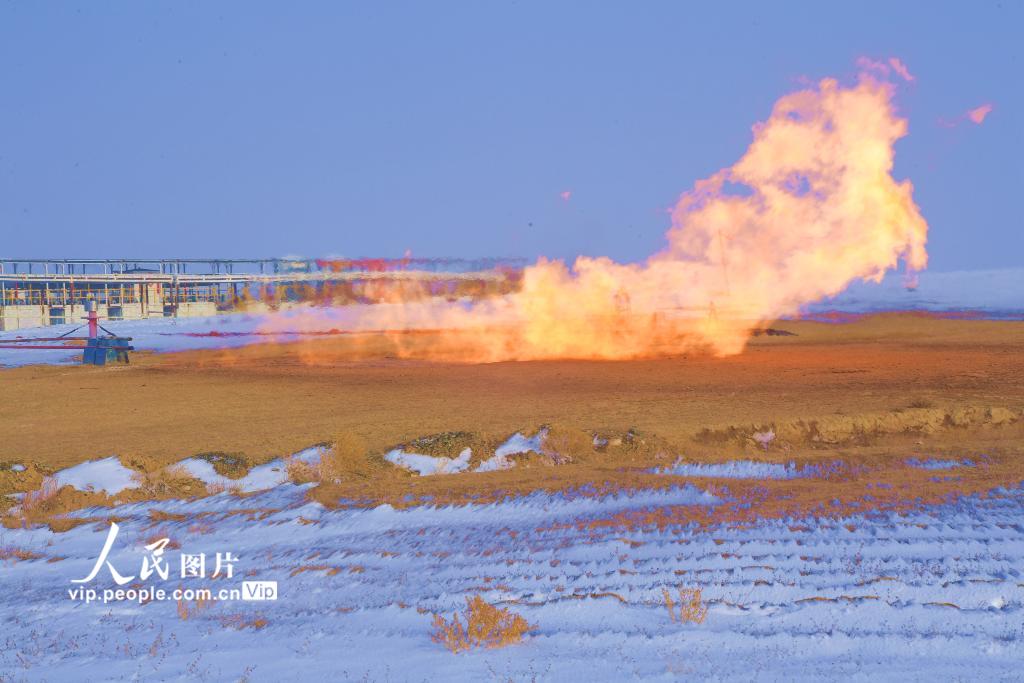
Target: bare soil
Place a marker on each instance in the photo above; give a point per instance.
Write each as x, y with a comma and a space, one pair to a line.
270, 400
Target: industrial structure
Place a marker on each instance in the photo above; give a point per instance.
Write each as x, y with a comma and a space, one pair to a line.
97, 349
38, 292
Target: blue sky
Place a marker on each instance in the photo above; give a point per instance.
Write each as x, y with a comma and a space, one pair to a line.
451, 128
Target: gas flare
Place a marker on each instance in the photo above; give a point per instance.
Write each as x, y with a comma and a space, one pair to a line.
810, 207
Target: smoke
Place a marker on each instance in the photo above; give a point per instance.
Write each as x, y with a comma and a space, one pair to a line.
810, 207
893, 65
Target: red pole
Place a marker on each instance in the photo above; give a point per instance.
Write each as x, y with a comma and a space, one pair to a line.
93, 318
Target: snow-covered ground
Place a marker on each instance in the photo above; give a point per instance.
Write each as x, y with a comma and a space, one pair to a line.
106, 475
736, 469
932, 595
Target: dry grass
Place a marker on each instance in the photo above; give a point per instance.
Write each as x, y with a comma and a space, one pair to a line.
37, 502
269, 403
10, 553
300, 472
241, 622
215, 487
28, 478
563, 444
348, 459
868, 393
44, 505
485, 626
854, 430
187, 609
157, 482
689, 609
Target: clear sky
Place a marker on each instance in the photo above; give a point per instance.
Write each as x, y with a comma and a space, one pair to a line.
452, 128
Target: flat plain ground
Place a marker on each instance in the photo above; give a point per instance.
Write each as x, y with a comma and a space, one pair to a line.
269, 400
903, 562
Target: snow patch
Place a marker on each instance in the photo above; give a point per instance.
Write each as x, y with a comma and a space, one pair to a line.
737, 469
259, 478
309, 456
425, 465
933, 464
107, 475
517, 443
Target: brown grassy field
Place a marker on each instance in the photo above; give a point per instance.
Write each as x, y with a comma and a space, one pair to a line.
269, 400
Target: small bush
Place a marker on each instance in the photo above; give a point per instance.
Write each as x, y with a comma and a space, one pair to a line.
485, 626
172, 481
50, 500
36, 501
300, 472
690, 608
348, 459
564, 444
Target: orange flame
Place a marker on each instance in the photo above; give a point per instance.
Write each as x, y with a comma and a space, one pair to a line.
810, 207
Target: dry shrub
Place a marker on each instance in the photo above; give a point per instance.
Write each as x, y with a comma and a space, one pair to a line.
14, 554
690, 607
349, 458
36, 502
300, 472
565, 444
45, 504
172, 481
485, 626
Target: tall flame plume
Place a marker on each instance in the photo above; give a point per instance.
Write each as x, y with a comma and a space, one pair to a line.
810, 207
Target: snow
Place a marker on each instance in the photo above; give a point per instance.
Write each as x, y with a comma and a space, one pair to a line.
258, 478
736, 469
927, 595
110, 476
517, 443
932, 464
310, 456
107, 475
152, 334
425, 465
